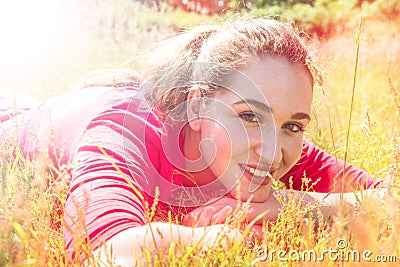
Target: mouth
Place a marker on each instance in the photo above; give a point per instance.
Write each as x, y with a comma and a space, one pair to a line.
258, 176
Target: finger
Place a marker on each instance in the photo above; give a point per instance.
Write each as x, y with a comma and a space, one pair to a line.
221, 215
191, 218
205, 216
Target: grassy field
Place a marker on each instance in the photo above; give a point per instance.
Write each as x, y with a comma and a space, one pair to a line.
364, 131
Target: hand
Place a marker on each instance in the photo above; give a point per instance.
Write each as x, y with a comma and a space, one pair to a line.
218, 211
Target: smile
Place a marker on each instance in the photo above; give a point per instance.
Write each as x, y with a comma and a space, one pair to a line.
257, 177
260, 173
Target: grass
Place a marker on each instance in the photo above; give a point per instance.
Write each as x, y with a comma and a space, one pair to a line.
375, 114
31, 202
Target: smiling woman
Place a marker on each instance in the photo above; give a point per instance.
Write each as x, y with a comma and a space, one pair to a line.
219, 116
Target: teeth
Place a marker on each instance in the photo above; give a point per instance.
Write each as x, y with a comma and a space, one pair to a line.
258, 172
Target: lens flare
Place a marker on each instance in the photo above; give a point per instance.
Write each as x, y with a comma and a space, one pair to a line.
30, 31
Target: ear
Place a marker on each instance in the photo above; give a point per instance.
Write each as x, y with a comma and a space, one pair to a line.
193, 108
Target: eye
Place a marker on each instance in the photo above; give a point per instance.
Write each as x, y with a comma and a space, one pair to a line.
294, 127
250, 117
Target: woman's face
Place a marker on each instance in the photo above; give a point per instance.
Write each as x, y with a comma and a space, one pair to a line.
253, 132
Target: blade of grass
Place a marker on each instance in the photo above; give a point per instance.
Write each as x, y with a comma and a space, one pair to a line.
358, 39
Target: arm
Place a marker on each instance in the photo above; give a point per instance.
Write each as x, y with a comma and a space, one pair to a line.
328, 173
104, 197
329, 203
157, 238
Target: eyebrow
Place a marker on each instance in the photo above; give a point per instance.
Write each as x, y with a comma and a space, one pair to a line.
255, 103
301, 116
264, 107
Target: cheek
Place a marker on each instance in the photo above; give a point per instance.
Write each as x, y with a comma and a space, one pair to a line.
216, 146
293, 151
224, 143
223, 149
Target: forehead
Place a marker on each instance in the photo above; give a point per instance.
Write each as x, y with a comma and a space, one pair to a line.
272, 80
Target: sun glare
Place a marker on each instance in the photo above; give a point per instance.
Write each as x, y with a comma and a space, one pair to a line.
30, 31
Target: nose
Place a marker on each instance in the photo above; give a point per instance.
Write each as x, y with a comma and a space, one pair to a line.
269, 149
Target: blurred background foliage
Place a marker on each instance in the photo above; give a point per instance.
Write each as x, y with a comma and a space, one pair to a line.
316, 16
77, 37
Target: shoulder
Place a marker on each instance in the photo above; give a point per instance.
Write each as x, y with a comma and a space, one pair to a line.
65, 118
312, 152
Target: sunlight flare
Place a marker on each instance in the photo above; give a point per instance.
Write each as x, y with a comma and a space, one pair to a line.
30, 31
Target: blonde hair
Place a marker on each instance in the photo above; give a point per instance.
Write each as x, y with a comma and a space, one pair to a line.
206, 53
113, 78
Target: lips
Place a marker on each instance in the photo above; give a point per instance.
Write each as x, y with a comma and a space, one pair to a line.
257, 172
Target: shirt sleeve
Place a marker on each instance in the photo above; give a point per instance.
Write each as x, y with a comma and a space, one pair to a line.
104, 197
326, 173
